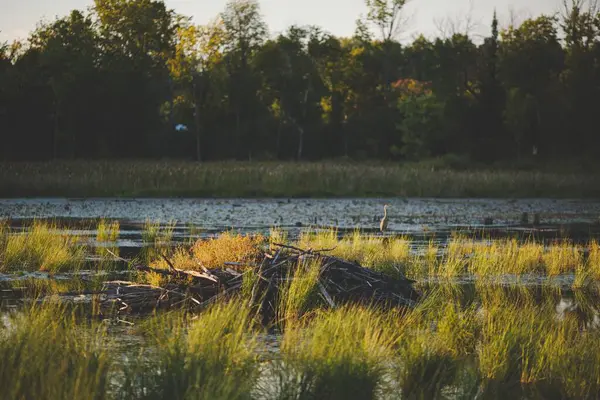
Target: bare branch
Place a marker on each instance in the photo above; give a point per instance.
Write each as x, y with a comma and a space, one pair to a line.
462, 23
388, 17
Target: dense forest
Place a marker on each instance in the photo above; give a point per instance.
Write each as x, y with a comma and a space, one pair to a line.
133, 79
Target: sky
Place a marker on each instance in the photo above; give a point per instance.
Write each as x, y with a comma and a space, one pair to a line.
19, 17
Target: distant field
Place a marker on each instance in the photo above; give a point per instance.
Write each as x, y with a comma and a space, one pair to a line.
332, 179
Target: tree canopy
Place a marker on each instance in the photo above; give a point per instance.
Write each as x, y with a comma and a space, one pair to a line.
120, 80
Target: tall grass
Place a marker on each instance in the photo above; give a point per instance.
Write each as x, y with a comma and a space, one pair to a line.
228, 247
390, 255
490, 341
461, 256
211, 357
154, 233
107, 236
299, 293
46, 355
41, 247
107, 232
339, 354
239, 179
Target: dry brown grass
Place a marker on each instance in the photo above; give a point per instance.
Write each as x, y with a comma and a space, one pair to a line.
227, 247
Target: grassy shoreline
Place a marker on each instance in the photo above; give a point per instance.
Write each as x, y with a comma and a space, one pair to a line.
269, 179
485, 339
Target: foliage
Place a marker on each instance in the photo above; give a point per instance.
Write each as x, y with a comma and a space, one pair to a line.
126, 79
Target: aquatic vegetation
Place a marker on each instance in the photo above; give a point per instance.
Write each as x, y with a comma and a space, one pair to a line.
339, 354
107, 232
211, 357
227, 247
489, 336
461, 256
299, 294
47, 355
154, 233
271, 179
42, 247
390, 255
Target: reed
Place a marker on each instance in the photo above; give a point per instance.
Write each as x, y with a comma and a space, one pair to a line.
339, 354
211, 357
46, 354
389, 255
107, 232
154, 233
299, 294
243, 179
41, 247
227, 247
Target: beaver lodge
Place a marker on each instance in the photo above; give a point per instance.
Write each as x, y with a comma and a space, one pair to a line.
334, 282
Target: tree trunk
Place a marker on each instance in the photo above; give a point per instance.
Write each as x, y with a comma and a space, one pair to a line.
197, 122
300, 128
278, 141
55, 130
300, 142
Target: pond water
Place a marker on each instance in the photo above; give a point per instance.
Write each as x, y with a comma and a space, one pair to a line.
411, 216
420, 219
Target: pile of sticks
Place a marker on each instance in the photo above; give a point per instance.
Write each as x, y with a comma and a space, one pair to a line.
339, 282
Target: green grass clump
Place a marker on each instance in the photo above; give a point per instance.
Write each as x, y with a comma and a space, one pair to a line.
154, 233
212, 357
389, 255
436, 341
46, 355
3, 235
42, 247
107, 235
340, 354
107, 232
299, 295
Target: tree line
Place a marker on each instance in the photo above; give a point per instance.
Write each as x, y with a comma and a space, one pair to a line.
134, 79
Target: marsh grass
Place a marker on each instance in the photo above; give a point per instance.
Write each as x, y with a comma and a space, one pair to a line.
490, 341
47, 354
338, 354
41, 247
4, 231
299, 294
228, 247
107, 236
107, 232
487, 339
588, 270
461, 256
240, 179
211, 357
389, 255
154, 233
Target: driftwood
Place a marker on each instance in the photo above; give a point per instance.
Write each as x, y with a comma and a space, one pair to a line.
340, 282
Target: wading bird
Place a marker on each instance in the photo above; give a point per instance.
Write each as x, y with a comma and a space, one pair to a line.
384, 221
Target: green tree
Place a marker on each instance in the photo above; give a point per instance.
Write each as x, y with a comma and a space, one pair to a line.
531, 61
581, 77
137, 40
195, 69
68, 53
422, 119
245, 31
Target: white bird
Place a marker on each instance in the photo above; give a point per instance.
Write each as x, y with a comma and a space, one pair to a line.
384, 221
